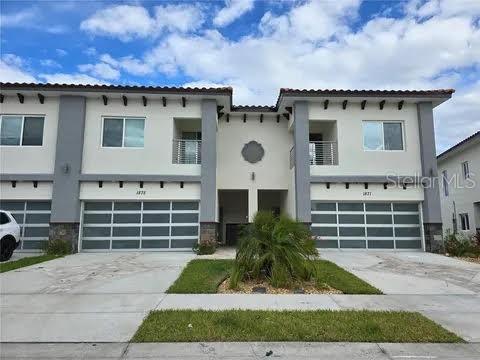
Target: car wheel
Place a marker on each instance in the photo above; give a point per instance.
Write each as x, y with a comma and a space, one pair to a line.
7, 246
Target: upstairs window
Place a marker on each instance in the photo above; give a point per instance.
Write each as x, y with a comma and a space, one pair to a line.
21, 130
464, 221
382, 135
123, 132
465, 170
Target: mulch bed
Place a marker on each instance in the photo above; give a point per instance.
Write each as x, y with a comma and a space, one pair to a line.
247, 287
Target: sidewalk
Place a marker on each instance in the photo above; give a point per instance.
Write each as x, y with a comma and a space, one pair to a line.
253, 350
457, 313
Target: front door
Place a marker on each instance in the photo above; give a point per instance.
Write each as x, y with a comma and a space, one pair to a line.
232, 233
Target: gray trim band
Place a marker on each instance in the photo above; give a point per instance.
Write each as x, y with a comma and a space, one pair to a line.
208, 192
68, 160
26, 177
366, 179
140, 177
431, 203
302, 163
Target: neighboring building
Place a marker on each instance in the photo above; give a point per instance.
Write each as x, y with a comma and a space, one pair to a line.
459, 168
126, 167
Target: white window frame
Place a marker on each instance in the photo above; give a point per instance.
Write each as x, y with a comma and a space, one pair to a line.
465, 170
124, 119
402, 124
464, 219
23, 116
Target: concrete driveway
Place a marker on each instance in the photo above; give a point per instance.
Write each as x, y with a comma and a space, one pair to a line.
420, 273
85, 297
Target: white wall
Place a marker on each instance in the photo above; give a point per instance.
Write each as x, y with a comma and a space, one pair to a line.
31, 159
272, 172
132, 191
156, 155
463, 193
357, 192
352, 159
24, 190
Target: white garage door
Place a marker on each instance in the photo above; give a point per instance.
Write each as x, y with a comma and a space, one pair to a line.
356, 225
149, 225
34, 220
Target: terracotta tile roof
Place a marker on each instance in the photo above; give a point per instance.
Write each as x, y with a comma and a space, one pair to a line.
117, 88
461, 143
254, 108
340, 92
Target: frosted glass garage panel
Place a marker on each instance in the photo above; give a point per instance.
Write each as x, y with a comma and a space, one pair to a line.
33, 217
134, 225
375, 225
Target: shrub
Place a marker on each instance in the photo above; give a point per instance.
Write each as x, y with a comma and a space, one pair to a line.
205, 248
278, 248
57, 247
461, 245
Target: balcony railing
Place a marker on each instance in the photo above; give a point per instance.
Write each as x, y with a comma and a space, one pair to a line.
187, 151
323, 153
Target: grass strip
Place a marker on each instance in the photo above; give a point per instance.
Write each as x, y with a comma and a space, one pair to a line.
315, 326
26, 261
202, 276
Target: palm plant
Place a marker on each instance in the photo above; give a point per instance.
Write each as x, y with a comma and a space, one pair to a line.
278, 248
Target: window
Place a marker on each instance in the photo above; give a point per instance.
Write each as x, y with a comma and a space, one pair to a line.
445, 182
21, 130
464, 222
4, 219
382, 135
123, 132
465, 170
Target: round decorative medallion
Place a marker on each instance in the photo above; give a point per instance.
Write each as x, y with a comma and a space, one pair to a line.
253, 152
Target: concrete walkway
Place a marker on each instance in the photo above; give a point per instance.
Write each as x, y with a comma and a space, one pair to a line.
252, 350
457, 313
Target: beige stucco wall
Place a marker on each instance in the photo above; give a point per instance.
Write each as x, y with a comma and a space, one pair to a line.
24, 190
272, 172
156, 155
31, 159
357, 192
132, 191
352, 158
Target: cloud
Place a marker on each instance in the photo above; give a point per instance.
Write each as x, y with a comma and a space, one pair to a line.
129, 64
127, 22
50, 63
31, 18
18, 19
232, 11
458, 118
63, 78
61, 52
102, 70
11, 71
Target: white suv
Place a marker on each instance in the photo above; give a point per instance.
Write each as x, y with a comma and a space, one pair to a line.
9, 235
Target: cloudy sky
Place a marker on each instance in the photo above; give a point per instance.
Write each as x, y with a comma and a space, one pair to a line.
256, 47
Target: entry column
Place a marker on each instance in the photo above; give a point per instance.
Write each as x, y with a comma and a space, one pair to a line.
65, 217
432, 217
208, 192
302, 163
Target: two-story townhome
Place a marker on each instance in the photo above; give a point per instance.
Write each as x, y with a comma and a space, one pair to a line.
156, 168
459, 168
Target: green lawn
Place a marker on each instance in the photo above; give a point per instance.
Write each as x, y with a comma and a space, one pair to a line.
322, 325
26, 261
203, 277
